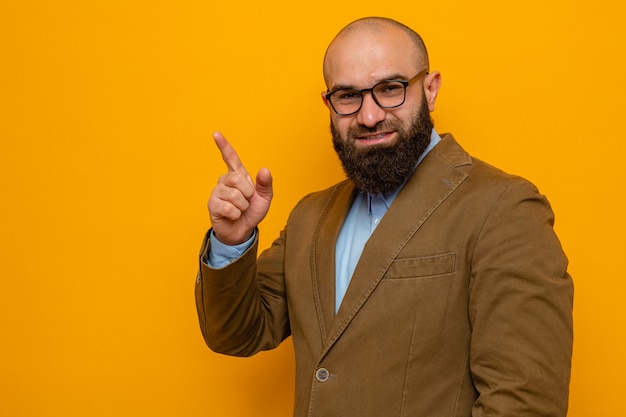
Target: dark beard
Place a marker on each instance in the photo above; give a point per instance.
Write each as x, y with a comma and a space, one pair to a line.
381, 169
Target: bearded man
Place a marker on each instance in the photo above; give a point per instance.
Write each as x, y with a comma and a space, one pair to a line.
428, 283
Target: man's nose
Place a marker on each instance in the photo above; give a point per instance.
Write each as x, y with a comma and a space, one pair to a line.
370, 113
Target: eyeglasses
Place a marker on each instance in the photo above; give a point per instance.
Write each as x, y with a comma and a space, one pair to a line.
387, 94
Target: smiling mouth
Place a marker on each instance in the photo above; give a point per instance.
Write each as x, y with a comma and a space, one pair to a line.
372, 137
376, 137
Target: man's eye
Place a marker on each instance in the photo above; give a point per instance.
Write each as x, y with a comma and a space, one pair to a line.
347, 95
390, 88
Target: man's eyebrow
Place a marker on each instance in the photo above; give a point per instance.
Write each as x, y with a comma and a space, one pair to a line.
341, 87
393, 77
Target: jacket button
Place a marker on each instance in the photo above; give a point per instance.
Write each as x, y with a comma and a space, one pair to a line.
322, 375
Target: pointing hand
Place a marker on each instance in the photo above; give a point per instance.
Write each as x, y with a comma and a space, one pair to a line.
237, 205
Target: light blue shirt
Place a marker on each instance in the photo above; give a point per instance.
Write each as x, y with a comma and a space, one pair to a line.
366, 212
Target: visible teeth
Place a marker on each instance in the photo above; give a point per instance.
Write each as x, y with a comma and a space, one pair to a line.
376, 137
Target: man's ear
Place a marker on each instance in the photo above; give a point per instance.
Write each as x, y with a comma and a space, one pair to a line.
325, 100
432, 83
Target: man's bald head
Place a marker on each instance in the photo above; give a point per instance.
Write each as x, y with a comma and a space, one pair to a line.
380, 24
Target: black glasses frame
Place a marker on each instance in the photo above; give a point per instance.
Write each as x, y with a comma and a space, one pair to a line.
405, 83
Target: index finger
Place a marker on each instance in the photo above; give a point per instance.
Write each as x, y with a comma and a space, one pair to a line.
229, 155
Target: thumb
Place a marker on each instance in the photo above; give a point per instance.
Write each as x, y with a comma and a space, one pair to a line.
264, 184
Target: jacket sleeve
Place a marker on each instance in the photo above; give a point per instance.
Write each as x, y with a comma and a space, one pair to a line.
521, 298
243, 311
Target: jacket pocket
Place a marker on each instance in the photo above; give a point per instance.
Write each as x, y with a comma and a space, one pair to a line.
427, 266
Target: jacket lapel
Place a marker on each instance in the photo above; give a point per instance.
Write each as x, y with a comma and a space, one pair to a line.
433, 181
323, 253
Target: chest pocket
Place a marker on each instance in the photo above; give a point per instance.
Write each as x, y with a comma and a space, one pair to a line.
423, 267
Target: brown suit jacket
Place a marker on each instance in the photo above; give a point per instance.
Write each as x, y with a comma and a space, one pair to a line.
460, 305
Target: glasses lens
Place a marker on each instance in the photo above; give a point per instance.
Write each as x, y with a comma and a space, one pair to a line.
346, 100
389, 93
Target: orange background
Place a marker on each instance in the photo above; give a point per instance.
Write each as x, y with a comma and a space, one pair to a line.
106, 111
